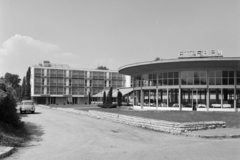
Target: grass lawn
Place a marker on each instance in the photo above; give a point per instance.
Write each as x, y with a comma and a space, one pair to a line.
232, 119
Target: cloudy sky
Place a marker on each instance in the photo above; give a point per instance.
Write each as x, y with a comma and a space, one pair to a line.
113, 33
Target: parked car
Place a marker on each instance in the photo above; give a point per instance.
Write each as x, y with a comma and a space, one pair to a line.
27, 105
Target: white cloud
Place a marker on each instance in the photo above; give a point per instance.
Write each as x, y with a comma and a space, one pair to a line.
20, 52
19, 44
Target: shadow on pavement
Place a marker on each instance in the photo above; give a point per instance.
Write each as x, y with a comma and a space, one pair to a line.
36, 131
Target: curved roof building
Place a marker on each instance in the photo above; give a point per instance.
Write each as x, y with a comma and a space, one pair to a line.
189, 83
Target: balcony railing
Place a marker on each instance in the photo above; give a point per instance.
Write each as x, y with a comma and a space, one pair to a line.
37, 74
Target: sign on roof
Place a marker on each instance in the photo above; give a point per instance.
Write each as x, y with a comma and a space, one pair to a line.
195, 54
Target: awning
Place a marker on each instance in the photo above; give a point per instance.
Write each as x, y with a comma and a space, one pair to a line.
124, 91
100, 94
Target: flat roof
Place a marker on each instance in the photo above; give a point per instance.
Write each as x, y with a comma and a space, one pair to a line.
181, 64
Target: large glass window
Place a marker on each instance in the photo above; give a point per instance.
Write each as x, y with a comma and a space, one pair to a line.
238, 77
193, 77
228, 98
173, 98
215, 98
168, 78
152, 79
162, 97
145, 80
221, 77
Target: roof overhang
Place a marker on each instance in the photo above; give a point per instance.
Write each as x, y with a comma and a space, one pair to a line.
181, 64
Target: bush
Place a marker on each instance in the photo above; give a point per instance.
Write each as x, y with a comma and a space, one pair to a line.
8, 111
107, 105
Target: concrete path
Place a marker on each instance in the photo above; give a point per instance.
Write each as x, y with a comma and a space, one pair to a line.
60, 135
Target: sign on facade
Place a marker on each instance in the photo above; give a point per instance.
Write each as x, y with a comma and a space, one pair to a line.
206, 53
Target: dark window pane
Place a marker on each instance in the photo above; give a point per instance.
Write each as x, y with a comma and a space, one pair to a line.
164, 81
175, 81
238, 74
203, 81
154, 76
225, 81
238, 82
218, 81
225, 74
218, 73
170, 74
176, 75
170, 82
150, 76
196, 81
159, 75
154, 82
211, 81
231, 81
196, 74
165, 75
160, 82
231, 74
211, 73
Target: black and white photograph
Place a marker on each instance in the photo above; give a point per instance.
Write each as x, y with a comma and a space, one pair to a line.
119, 79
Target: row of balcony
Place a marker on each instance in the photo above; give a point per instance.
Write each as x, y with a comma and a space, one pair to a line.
77, 76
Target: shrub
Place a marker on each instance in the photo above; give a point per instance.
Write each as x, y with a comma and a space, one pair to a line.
8, 111
107, 105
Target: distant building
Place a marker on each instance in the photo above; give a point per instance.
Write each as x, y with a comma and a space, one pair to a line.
60, 84
202, 80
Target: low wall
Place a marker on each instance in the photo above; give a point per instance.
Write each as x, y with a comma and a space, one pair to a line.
157, 125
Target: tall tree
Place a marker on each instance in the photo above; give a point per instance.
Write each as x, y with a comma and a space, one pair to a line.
23, 88
109, 97
28, 85
89, 98
12, 79
104, 97
119, 98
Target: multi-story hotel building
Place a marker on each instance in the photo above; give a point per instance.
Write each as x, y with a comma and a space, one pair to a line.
60, 84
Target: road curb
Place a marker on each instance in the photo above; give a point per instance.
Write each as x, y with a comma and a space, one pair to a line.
6, 152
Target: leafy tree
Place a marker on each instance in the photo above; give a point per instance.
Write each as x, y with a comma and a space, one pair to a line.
12, 79
8, 111
119, 98
27, 95
157, 59
104, 97
109, 97
102, 68
23, 88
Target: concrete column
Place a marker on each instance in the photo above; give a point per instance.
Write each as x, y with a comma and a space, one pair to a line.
208, 94
235, 91
167, 98
157, 92
179, 99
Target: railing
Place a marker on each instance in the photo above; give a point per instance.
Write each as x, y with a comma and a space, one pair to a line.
37, 74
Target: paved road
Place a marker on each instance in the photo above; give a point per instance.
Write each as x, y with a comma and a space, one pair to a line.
60, 136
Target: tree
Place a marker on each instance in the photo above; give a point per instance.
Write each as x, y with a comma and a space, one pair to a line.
109, 97
28, 86
104, 97
102, 68
89, 98
8, 111
119, 98
23, 88
157, 59
12, 79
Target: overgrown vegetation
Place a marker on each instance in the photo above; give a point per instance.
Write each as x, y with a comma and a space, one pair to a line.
12, 129
107, 103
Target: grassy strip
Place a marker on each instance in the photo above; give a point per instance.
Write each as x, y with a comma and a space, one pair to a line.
12, 137
232, 119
